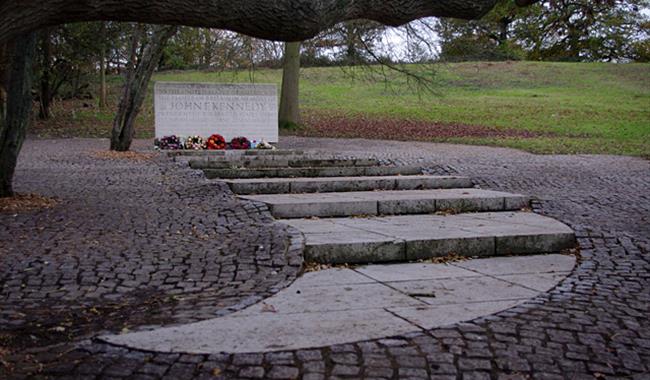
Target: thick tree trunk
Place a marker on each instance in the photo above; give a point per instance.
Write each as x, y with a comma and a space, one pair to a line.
287, 20
19, 106
46, 63
135, 89
289, 95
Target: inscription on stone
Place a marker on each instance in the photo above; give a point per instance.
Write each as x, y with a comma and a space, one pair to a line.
186, 109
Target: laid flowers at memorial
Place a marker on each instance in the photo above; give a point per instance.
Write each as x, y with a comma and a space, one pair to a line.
240, 143
215, 142
172, 142
194, 143
264, 145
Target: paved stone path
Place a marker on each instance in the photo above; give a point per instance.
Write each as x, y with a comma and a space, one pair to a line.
337, 306
594, 325
132, 243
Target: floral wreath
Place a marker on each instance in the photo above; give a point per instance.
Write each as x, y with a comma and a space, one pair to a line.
194, 143
240, 143
170, 142
215, 142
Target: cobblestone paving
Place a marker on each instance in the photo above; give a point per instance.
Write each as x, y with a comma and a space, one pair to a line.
133, 242
596, 324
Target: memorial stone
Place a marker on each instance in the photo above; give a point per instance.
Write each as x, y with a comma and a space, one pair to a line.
187, 109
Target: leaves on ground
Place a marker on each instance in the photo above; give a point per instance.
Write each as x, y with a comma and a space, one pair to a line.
268, 308
450, 258
113, 155
25, 202
359, 126
315, 267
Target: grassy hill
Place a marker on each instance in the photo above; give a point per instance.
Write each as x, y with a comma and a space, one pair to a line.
539, 107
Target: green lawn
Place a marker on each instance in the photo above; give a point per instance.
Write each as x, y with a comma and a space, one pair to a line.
567, 107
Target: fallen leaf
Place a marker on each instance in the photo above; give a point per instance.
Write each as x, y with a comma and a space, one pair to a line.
266, 308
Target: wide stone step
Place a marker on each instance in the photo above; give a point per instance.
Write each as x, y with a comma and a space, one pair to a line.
340, 184
312, 172
234, 153
420, 237
393, 202
278, 163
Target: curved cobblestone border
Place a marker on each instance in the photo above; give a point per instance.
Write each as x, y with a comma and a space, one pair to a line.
594, 325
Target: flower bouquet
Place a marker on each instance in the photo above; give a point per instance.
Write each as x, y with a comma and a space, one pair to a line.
170, 142
240, 143
194, 143
265, 145
215, 142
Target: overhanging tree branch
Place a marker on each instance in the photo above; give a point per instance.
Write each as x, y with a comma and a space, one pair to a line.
287, 20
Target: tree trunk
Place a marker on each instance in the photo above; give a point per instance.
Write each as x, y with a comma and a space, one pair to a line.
504, 24
289, 94
4, 78
19, 106
102, 69
286, 20
351, 53
135, 89
46, 63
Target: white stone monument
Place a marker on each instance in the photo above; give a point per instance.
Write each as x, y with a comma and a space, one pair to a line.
231, 110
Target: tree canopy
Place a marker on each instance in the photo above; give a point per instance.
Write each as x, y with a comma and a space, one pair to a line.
557, 30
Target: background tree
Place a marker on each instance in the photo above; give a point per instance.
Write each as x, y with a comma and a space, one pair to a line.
641, 47
353, 39
553, 30
137, 81
71, 57
490, 38
191, 48
583, 30
103, 52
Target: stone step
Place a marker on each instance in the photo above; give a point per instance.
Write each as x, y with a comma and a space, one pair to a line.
421, 237
392, 202
335, 171
340, 184
234, 153
278, 163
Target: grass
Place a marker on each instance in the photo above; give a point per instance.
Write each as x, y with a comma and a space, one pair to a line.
566, 107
